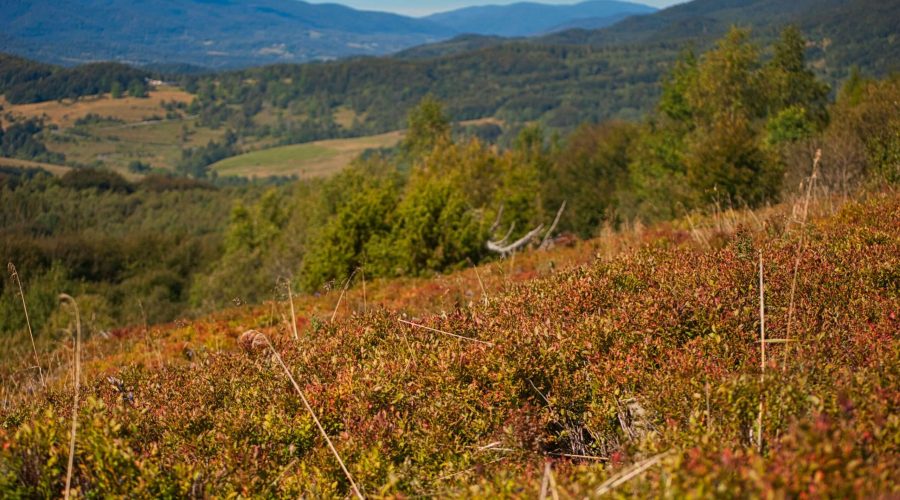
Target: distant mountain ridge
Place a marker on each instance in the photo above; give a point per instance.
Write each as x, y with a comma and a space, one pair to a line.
528, 18
211, 33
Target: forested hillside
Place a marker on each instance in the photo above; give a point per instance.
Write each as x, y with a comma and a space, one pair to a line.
562, 81
23, 81
567, 79
214, 34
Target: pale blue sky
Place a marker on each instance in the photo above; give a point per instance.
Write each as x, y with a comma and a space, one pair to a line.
424, 7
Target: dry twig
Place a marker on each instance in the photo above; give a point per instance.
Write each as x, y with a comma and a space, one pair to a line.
627, 475
15, 276
445, 333
762, 347
341, 297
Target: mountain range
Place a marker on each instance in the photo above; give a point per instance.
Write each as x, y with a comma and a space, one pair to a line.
239, 33
528, 19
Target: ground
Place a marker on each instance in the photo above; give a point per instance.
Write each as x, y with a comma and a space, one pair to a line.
628, 365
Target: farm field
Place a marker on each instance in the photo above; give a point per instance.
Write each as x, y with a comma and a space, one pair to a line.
310, 160
315, 159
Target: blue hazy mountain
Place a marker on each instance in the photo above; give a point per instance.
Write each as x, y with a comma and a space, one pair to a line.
527, 19
212, 33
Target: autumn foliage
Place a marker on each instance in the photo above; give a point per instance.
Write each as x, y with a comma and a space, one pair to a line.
593, 369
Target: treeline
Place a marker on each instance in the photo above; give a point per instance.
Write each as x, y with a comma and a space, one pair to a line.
561, 86
23, 81
128, 251
22, 140
730, 129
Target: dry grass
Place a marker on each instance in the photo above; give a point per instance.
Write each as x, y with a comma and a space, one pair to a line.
70, 300
14, 275
810, 186
636, 470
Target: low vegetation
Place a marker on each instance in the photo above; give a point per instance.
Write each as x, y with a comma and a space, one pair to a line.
640, 375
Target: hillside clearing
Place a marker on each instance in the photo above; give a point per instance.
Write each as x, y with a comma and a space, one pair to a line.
16, 163
309, 160
65, 113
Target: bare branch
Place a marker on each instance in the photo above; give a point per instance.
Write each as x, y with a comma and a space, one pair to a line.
496, 223
516, 245
546, 242
508, 234
504, 248
435, 330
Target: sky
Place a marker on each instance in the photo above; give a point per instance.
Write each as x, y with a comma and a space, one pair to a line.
425, 7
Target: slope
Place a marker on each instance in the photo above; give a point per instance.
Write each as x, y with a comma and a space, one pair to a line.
861, 32
640, 374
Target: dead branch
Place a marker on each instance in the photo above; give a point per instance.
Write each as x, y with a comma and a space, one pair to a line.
546, 242
497, 246
506, 249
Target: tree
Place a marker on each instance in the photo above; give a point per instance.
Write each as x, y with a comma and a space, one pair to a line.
589, 173
434, 229
137, 88
723, 159
797, 106
791, 84
428, 125
346, 241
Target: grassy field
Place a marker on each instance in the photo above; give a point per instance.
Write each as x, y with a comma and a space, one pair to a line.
128, 109
53, 169
315, 159
157, 143
131, 129
135, 129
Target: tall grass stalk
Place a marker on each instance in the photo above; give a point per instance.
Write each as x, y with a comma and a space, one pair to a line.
435, 330
293, 314
312, 414
343, 292
362, 271
69, 299
484, 294
762, 348
37, 361
800, 247
548, 484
